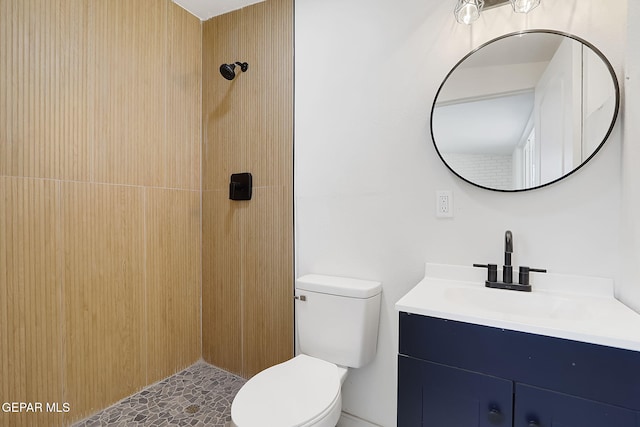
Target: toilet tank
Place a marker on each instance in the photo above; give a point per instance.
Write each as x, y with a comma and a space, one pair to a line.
337, 318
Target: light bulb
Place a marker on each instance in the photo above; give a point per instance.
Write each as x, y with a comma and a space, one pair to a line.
524, 6
468, 11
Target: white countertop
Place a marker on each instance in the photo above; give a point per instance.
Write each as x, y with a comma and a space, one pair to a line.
563, 306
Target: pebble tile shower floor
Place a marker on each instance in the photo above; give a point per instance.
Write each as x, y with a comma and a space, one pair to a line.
201, 395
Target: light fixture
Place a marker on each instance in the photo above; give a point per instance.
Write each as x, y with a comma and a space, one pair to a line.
524, 6
467, 11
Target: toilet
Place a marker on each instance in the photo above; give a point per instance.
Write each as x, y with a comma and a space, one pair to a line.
337, 324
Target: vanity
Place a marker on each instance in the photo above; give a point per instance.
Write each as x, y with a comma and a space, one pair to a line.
548, 350
566, 354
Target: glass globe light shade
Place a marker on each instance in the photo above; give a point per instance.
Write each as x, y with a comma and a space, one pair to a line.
467, 11
524, 6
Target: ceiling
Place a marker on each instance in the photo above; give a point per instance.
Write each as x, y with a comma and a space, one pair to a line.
206, 9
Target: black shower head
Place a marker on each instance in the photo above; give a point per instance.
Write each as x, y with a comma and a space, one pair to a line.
228, 70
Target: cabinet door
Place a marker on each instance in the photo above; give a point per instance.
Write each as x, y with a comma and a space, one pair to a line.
433, 395
535, 407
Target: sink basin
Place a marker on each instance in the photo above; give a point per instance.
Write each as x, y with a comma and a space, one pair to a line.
570, 307
512, 303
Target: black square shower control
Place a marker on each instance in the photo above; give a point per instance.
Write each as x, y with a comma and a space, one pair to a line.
240, 186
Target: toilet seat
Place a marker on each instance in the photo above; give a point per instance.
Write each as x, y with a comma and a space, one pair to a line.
301, 392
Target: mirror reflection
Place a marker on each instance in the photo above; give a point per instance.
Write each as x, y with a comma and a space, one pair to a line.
524, 110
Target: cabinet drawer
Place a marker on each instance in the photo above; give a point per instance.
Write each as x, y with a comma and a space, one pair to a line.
433, 395
547, 408
595, 372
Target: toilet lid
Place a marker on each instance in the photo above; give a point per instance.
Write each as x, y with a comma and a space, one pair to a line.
289, 394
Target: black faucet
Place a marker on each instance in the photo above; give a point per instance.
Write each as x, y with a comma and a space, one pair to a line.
507, 270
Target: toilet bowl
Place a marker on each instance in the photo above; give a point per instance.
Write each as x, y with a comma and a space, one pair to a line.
301, 392
337, 322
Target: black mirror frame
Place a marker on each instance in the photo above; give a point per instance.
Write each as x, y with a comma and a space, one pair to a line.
614, 119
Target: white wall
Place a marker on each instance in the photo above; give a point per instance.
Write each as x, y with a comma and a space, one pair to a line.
366, 171
629, 288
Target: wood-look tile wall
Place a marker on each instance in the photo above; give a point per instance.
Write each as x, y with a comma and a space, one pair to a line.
248, 246
100, 244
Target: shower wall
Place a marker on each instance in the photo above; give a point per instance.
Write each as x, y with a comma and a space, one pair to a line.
247, 253
100, 142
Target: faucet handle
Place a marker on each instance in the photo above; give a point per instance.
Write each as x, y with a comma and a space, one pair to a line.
523, 274
492, 271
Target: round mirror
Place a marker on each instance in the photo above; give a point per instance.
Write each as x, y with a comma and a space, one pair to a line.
524, 110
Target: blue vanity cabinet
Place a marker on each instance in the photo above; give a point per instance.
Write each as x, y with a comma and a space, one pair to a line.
437, 395
456, 374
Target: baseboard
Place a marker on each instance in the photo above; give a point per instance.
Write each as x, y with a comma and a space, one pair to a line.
348, 420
